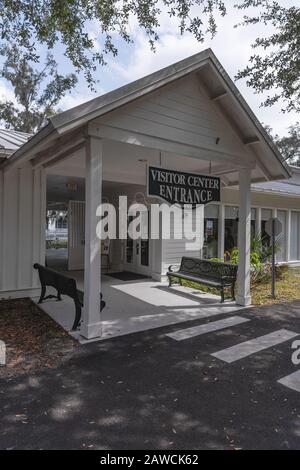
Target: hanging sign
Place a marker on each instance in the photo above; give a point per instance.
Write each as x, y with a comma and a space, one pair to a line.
177, 187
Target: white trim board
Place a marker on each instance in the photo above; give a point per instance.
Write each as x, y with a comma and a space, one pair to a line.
18, 294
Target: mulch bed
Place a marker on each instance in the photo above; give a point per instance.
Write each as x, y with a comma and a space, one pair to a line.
33, 340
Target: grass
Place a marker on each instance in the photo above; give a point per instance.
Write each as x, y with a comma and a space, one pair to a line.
57, 243
287, 288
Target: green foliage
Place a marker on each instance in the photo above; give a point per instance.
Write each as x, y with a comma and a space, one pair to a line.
37, 92
260, 256
289, 145
274, 66
234, 256
255, 259
260, 246
50, 22
264, 274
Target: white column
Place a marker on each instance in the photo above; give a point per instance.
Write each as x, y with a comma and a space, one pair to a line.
243, 296
221, 231
1, 227
91, 324
298, 256
258, 222
288, 230
274, 215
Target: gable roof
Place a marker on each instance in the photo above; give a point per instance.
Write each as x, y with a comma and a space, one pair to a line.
220, 84
129, 92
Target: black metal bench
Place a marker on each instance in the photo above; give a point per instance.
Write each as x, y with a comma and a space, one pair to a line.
211, 273
64, 285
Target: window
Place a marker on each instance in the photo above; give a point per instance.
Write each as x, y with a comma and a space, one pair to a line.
145, 222
295, 241
231, 228
211, 223
280, 240
266, 214
129, 244
253, 223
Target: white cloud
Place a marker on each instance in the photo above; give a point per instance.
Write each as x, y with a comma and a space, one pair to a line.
6, 93
76, 98
94, 35
231, 45
143, 61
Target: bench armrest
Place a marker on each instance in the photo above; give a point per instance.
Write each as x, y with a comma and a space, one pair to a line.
172, 266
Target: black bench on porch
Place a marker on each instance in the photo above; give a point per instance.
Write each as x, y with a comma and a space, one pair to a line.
210, 273
64, 285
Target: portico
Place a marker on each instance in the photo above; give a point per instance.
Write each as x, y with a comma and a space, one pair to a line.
187, 117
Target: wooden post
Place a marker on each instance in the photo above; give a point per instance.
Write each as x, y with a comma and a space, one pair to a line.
91, 323
288, 230
244, 239
258, 222
273, 259
221, 231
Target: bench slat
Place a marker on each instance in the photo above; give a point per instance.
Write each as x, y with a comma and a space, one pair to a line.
210, 273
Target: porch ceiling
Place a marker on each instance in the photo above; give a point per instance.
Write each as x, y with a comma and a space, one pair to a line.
126, 163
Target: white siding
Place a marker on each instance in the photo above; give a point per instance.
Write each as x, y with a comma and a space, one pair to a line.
295, 236
180, 113
281, 255
174, 249
22, 228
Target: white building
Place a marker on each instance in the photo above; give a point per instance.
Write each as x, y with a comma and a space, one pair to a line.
188, 117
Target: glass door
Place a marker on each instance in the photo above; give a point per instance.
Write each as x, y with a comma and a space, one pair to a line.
137, 252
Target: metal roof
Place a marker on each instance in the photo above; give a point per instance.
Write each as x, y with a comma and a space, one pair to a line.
283, 187
290, 187
80, 115
11, 140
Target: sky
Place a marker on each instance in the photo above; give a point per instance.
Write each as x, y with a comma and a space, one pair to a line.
231, 45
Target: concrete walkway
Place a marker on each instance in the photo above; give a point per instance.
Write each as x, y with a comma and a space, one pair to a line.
140, 305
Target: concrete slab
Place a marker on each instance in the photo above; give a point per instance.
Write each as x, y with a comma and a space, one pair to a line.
140, 305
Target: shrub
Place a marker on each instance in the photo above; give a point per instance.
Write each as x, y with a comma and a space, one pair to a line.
261, 268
